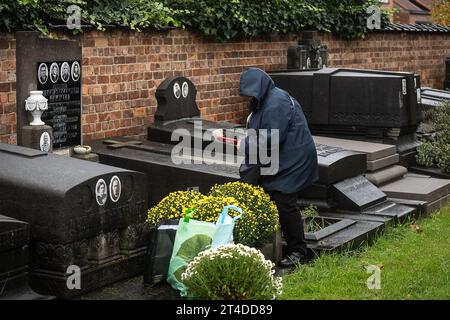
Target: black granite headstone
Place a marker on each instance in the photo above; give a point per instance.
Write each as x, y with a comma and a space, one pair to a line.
176, 99
350, 97
80, 213
163, 175
177, 110
62, 88
53, 66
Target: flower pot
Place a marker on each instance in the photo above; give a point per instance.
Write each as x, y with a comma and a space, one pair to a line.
36, 103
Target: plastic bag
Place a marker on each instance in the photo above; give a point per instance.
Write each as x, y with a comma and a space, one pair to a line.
194, 236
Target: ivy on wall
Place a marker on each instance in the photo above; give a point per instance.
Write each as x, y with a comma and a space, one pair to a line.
221, 19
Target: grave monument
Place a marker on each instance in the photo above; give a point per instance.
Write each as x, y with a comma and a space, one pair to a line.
54, 68
375, 106
82, 216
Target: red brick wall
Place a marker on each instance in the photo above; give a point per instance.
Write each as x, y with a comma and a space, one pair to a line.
8, 88
121, 71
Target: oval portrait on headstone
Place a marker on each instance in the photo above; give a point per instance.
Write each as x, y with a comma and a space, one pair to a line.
54, 72
75, 71
185, 89
45, 141
177, 90
115, 188
42, 73
65, 72
101, 192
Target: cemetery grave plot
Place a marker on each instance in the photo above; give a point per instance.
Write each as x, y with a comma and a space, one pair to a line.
53, 67
154, 158
429, 193
365, 105
79, 213
177, 109
14, 257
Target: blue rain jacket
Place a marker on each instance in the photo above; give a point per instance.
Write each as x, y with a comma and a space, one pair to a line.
276, 109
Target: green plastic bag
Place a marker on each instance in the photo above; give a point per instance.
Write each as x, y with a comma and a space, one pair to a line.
194, 236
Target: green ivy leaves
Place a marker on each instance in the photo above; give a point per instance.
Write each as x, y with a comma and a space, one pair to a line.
221, 19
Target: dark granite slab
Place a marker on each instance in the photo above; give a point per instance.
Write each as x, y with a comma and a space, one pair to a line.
357, 194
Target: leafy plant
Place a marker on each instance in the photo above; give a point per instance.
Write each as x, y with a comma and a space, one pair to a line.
221, 19
259, 221
436, 153
37, 14
231, 272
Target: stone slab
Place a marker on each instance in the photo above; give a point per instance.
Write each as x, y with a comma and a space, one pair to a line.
425, 208
132, 289
337, 226
374, 151
54, 283
434, 172
336, 164
38, 137
348, 238
356, 194
383, 162
416, 187
162, 174
386, 175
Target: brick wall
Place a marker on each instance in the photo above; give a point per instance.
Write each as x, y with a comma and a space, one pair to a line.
121, 71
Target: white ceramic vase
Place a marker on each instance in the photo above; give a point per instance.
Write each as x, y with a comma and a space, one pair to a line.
36, 103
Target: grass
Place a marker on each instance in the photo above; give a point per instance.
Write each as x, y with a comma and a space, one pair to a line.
414, 264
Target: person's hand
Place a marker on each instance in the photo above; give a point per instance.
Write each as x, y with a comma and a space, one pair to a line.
238, 144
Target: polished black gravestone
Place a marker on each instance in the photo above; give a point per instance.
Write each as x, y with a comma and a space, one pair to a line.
177, 111
165, 173
352, 97
53, 66
367, 105
80, 213
14, 258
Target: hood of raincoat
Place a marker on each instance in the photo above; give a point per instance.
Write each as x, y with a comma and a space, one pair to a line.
255, 83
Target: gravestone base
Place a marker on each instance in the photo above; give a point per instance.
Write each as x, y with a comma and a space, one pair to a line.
434, 172
31, 137
89, 157
425, 208
92, 278
273, 251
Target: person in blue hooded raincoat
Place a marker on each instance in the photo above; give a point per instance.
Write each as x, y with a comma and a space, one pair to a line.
286, 133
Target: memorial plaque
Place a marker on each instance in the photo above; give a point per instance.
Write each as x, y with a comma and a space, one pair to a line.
60, 82
356, 194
